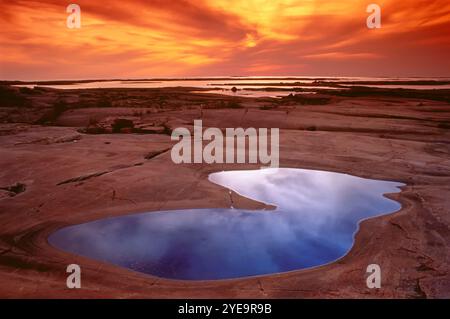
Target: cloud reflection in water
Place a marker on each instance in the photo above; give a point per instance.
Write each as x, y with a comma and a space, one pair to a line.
315, 221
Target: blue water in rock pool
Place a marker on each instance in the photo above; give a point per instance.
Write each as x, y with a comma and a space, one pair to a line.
316, 217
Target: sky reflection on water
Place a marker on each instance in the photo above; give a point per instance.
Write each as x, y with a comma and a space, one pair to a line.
314, 223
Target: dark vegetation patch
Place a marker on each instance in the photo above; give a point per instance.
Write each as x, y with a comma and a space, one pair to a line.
122, 126
15, 189
49, 117
307, 99
231, 104
12, 97
125, 126
104, 102
167, 129
444, 125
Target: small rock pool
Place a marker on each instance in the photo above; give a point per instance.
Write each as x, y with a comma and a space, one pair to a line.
316, 217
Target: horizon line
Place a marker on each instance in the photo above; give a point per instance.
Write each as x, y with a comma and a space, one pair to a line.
218, 77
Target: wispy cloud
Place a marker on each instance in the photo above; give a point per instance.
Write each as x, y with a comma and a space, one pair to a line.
138, 38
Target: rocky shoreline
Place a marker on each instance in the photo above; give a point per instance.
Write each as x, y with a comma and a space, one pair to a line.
67, 173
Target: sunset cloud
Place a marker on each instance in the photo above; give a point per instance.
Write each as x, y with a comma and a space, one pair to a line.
137, 38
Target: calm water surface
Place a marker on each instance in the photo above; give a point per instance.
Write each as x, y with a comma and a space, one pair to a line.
316, 216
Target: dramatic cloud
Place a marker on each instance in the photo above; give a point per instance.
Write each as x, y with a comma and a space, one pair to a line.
138, 38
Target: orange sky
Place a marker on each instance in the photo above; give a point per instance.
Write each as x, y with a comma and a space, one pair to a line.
156, 38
